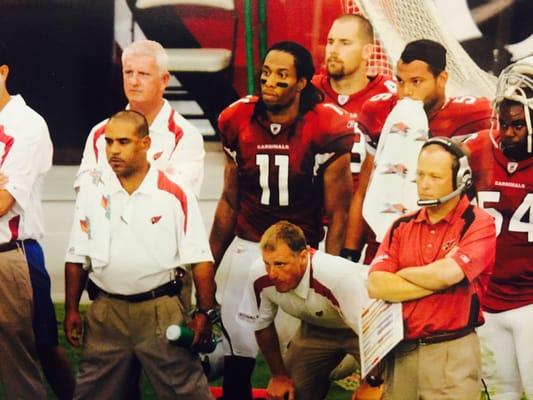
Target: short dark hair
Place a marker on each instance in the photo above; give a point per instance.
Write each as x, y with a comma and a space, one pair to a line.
4, 54
365, 27
303, 62
135, 118
283, 232
428, 51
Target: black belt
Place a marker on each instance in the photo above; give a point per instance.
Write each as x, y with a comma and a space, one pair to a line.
172, 288
439, 337
14, 244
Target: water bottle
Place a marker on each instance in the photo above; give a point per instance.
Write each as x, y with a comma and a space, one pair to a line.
183, 336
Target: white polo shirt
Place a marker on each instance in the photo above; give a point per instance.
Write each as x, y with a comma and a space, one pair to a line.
330, 294
133, 242
177, 148
25, 157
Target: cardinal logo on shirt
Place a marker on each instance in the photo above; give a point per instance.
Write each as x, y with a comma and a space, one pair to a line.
157, 155
342, 99
448, 245
155, 219
275, 128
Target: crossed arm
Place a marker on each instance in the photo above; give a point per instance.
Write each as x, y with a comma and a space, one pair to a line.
412, 283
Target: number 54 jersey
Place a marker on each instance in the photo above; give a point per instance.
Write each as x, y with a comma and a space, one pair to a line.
280, 167
505, 190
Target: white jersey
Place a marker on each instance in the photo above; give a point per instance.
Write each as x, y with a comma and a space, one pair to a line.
25, 157
177, 148
331, 294
133, 242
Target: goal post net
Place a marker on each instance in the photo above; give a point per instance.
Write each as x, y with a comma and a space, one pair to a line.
397, 22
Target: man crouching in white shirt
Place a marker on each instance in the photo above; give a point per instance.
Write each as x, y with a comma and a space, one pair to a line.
325, 292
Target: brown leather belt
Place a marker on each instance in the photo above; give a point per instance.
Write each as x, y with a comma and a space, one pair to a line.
172, 288
439, 337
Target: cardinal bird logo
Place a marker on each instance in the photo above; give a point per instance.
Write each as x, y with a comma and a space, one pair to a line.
157, 155
105, 205
96, 177
85, 225
399, 127
398, 169
155, 219
397, 208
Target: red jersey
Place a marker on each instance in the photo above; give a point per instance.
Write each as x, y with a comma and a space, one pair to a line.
414, 241
458, 116
279, 167
353, 104
505, 190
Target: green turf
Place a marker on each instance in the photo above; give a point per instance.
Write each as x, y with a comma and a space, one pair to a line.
259, 378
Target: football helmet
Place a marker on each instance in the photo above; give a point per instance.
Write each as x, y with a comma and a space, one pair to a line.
515, 83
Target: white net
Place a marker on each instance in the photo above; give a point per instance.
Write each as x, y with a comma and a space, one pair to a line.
378, 62
398, 22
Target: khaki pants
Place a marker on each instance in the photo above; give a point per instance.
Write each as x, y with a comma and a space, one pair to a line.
313, 353
119, 336
19, 370
442, 371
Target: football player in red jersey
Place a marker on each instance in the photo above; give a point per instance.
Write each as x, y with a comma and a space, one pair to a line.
347, 84
421, 75
505, 189
288, 157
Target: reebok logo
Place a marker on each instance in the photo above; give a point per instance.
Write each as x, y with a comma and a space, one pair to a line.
155, 219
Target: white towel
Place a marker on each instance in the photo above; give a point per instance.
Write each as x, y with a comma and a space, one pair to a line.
392, 189
91, 232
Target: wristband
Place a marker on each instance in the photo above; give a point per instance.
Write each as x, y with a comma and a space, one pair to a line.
374, 381
350, 254
211, 314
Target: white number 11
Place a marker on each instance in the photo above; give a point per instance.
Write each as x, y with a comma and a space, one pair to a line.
282, 162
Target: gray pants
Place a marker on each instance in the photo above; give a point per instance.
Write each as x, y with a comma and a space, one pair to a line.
19, 369
119, 336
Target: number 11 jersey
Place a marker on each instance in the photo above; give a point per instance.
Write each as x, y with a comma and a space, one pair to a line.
280, 167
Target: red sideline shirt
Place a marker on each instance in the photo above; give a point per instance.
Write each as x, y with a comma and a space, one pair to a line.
280, 167
505, 190
413, 241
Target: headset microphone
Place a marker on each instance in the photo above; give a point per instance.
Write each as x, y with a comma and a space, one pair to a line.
462, 173
440, 200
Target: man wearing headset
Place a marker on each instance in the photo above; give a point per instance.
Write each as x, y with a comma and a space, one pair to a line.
437, 261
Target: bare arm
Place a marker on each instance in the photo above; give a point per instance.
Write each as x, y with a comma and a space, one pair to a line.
204, 281
438, 275
355, 226
337, 190
75, 279
392, 287
280, 383
223, 230
7, 201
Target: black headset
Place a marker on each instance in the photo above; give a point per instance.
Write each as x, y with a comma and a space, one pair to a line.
461, 170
